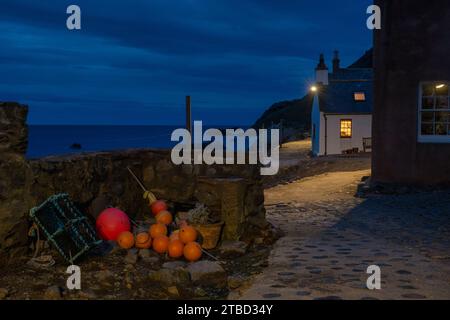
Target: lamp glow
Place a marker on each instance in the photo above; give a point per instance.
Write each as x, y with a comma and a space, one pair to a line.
440, 86
314, 89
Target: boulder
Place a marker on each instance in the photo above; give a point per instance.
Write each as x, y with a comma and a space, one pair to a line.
173, 291
235, 282
132, 256
3, 293
170, 277
174, 264
232, 249
105, 277
208, 274
53, 293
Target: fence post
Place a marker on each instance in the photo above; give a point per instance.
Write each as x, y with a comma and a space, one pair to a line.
188, 114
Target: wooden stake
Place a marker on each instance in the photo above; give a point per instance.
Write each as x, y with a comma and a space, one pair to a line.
188, 114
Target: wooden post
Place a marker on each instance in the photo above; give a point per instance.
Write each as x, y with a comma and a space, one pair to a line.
281, 128
188, 114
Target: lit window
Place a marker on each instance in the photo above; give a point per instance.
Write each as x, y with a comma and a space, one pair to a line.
346, 128
434, 107
359, 96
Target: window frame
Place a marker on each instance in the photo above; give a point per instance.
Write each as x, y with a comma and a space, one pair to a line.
351, 128
421, 138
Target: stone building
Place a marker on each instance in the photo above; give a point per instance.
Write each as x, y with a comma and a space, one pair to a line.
411, 119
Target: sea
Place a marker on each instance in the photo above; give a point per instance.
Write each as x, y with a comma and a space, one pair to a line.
47, 140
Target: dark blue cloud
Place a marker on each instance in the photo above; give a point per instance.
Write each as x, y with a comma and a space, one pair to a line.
134, 61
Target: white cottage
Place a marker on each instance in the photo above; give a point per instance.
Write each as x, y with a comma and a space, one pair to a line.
342, 110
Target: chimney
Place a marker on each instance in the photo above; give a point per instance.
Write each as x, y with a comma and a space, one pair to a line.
336, 62
322, 72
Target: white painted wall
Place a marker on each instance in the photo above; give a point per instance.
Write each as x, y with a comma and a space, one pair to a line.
317, 139
322, 76
361, 128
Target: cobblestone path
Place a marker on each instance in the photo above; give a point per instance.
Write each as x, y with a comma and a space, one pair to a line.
331, 238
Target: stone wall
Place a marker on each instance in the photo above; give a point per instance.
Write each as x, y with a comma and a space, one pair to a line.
13, 179
234, 193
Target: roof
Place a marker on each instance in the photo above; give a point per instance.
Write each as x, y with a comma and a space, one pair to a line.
352, 74
366, 61
338, 97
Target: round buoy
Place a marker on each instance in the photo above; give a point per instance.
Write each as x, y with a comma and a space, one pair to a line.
188, 234
143, 240
112, 222
192, 251
158, 206
175, 248
125, 240
160, 244
164, 217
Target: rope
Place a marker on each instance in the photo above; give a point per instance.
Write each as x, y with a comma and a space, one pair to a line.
44, 261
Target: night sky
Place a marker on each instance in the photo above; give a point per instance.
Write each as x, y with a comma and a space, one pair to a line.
134, 61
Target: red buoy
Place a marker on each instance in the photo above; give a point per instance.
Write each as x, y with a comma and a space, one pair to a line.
158, 206
112, 222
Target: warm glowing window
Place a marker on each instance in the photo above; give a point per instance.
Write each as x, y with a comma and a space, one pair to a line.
359, 96
434, 110
346, 128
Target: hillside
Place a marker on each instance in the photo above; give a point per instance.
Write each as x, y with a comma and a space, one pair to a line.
295, 114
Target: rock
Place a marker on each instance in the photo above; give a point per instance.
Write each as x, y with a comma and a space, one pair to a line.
132, 256
233, 248
53, 293
3, 293
258, 221
170, 277
144, 253
234, 295
129, 267
199, 292
148, 256
208, 273
105, 277
235, 282
151, 260
87, 294
173, 291
259, 240
174, 264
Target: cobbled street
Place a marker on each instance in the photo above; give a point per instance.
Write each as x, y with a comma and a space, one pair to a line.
331, 237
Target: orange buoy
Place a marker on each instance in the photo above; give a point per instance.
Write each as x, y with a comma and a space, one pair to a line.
160, 244
157, 230
188, 234
175, 248
143, 241
125, 240
192, 251
164, 217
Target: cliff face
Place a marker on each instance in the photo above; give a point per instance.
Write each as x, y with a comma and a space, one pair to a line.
295, 115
